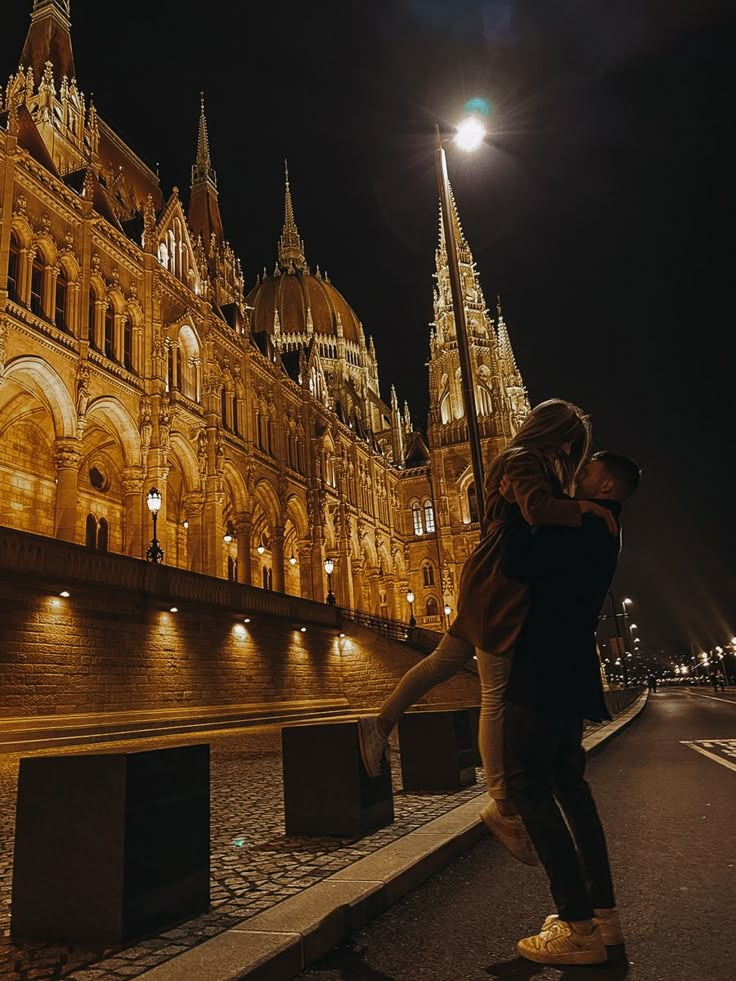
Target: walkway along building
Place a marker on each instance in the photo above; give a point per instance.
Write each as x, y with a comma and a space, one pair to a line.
131, 356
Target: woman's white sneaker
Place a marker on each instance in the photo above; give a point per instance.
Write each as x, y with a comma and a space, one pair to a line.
511, 832
373, 746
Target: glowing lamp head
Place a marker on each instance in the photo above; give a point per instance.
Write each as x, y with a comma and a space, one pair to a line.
227, 537
260, 550
470, 134
410, 597
448, 609
292, 560
329, 566
154, 500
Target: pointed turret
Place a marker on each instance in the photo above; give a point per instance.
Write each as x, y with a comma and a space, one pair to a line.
204, 207
291, 247
397, 429
505, 351
49, 39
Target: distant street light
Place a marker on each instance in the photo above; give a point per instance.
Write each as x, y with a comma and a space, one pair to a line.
469, 136
410, 601
329, 569
154, 500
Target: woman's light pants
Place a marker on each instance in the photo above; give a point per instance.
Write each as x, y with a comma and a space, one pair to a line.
446, 660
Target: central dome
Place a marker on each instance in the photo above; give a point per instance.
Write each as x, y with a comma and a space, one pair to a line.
303, 304
294, 301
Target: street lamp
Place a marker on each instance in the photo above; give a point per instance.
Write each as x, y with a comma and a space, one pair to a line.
469, 136
410, 601
154, 500
329, 569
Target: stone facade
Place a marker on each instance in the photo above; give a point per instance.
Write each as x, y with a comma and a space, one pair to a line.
131, 357
113, 643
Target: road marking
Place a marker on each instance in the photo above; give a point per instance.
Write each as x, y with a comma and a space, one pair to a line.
718, 759
715, 698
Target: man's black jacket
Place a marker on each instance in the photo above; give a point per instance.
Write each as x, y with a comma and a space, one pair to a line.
555, 666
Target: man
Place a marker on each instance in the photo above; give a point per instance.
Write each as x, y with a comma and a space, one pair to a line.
555, 683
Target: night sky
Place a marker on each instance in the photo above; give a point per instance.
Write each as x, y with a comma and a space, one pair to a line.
598, 211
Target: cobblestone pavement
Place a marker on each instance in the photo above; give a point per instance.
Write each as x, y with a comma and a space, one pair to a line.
254, 865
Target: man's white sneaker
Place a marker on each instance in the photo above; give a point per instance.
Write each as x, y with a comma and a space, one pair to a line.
511, 832
558, 942
607, 920
373, 746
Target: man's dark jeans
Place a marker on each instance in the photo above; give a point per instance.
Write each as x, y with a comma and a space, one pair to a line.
544, 760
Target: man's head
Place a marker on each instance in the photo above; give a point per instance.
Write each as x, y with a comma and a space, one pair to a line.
608, 476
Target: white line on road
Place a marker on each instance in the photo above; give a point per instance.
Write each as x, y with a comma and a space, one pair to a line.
712, 756
729, 701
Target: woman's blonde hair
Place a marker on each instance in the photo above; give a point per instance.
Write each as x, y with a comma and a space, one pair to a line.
549, 426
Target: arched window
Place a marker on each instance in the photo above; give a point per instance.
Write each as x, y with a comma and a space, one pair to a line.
416, 513
431, 608
428, 516
102, 530
128, 343
472, 503
13, 267
62, 289
37, 272
169, 368
485, 404
109, 332
92, 325
231, 568
91, 532
428, 574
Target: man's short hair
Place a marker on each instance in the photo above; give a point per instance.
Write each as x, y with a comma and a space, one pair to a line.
623, 471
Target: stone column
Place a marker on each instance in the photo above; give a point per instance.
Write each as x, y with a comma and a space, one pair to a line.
212, 529
134, 505
243, 525
306, 586
343, 580
277, 558
319, 576
193, 504
67, 456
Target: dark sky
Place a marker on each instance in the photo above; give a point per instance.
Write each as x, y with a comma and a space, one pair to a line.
599, 211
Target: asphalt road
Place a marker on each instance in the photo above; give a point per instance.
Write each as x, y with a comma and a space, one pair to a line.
670, 815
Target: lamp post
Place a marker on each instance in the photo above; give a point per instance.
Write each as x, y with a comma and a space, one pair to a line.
329, 569
620, 641
410, 601
154, 500
448, 611
470, 135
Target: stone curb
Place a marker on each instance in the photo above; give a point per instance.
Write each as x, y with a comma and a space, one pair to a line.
281, 942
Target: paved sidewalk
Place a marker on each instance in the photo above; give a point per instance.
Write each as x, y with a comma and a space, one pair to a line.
277, 902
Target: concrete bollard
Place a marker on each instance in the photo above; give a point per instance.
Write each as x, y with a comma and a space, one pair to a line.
110, 846
436, 751
326, 788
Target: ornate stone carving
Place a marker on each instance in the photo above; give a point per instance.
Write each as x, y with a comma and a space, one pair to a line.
82, 390
202, 452
146, 424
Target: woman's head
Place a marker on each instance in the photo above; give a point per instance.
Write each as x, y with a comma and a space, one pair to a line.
562, 432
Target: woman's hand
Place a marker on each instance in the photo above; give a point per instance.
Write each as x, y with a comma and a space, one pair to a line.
506, 489
590, 507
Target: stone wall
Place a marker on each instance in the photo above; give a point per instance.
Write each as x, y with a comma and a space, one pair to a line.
114, 645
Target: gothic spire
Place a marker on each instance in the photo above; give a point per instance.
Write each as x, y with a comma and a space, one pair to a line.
202, 169
49, 39
462, 246
204, 208
291, 247
504, 341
